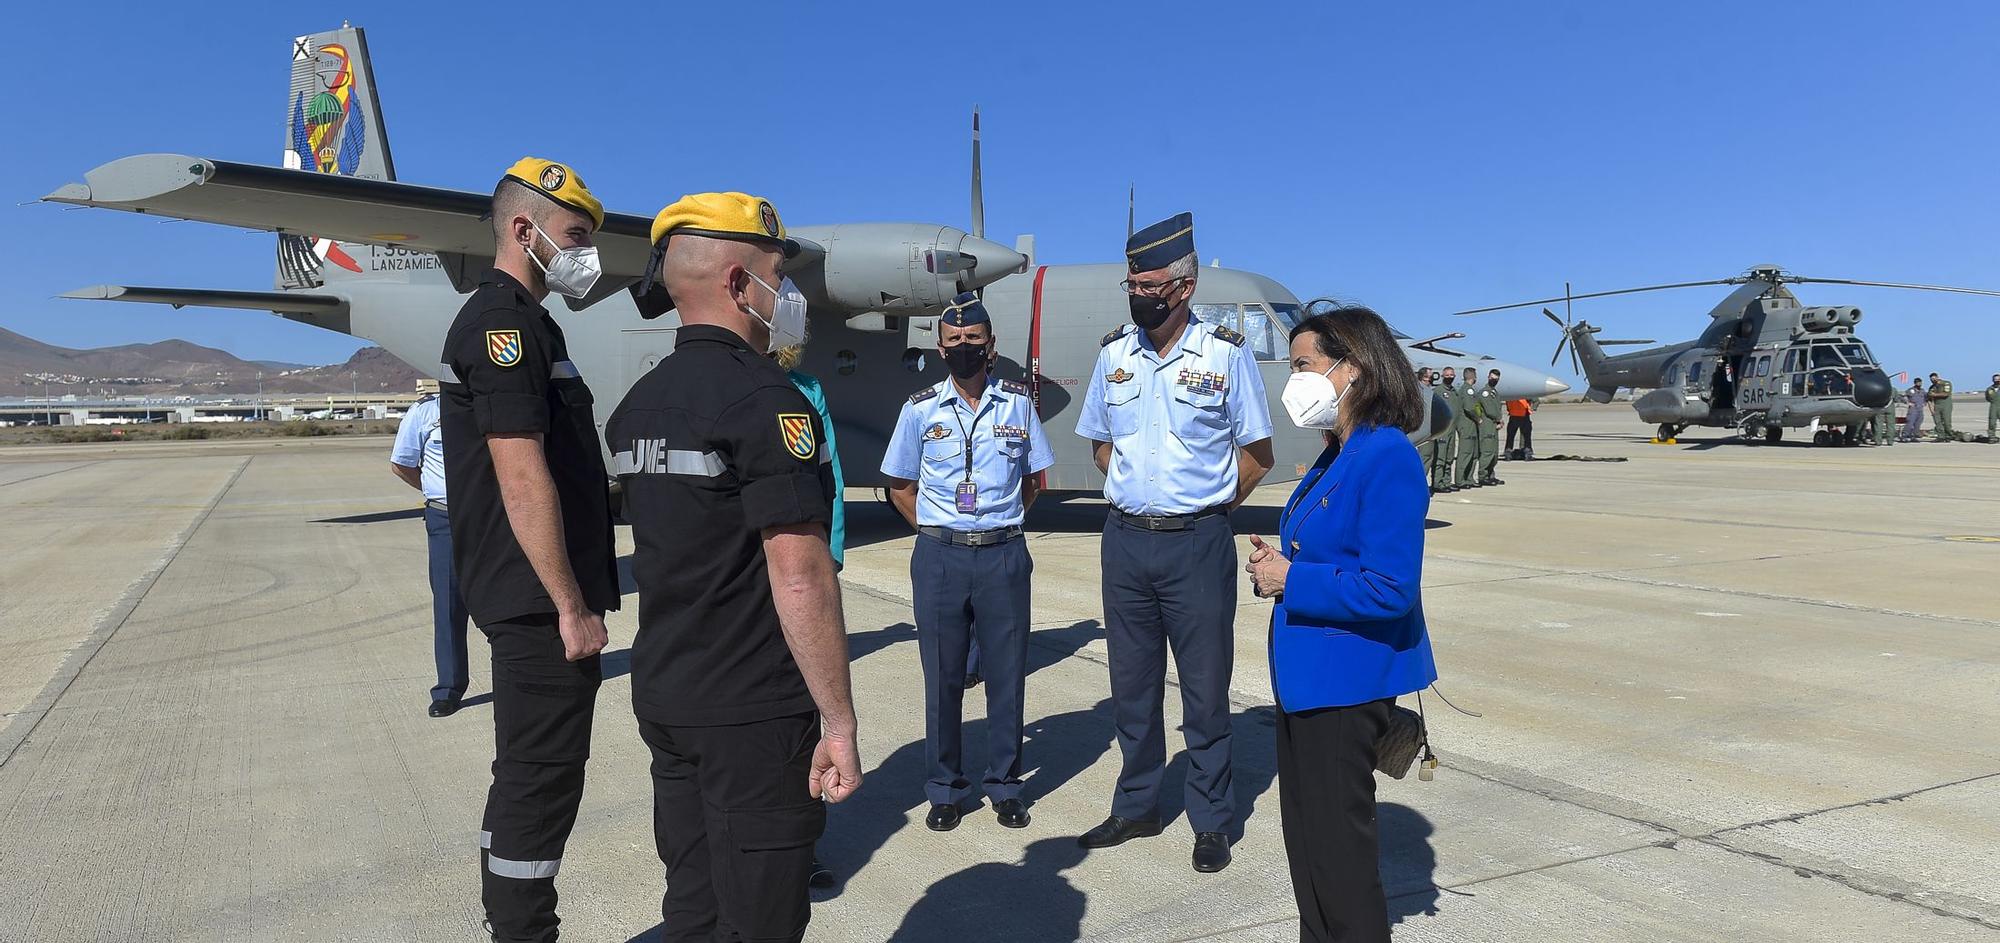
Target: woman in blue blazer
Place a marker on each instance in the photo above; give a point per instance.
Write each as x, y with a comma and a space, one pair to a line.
1347, 634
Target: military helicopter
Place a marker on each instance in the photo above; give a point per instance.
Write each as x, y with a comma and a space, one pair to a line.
1764, 364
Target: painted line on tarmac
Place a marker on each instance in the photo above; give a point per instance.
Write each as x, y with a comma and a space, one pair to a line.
22, 725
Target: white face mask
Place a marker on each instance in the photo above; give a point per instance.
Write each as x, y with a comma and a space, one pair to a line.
787, 323
1311, 399
570, 272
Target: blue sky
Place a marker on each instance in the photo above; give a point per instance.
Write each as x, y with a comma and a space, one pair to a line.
1417, 157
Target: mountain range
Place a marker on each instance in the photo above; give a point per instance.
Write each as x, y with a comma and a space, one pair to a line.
181, 367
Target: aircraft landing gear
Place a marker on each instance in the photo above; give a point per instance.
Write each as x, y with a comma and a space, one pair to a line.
1772, 434
1667, 434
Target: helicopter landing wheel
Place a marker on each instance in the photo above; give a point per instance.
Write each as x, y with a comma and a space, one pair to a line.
1774, 434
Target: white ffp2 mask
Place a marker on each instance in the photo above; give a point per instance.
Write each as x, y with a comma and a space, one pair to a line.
1311, 400
787, 323
570, 272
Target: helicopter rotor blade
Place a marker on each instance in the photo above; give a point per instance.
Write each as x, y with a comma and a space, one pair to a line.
1797, 280
1551, 315
1738, 280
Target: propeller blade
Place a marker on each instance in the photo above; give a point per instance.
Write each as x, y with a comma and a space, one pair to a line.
1601, 294
1551, 315
1559, 350
1575, 362
1130, 193
1849, 281
978, 190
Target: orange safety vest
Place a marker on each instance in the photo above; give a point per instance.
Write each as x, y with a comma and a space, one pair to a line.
1517, 407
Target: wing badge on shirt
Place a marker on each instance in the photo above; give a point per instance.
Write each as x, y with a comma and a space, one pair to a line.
796, 431
1118, 376
504, 347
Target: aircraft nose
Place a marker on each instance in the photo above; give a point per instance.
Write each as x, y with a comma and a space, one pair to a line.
995, 261
1872, 389
1554, 386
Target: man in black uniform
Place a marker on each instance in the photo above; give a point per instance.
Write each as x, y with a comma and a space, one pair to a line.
531, 522
741, 655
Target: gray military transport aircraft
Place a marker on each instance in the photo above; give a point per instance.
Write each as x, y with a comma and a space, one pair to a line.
364, 254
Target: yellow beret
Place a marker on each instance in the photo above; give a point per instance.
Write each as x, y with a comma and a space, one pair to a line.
559, 183
738, 216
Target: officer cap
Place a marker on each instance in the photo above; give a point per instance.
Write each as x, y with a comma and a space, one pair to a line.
559, 183
1161, 244
965, 311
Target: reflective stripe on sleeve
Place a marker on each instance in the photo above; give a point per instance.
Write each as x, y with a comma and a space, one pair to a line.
563, 370
650, 457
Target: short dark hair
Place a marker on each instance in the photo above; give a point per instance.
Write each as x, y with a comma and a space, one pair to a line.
1385, 391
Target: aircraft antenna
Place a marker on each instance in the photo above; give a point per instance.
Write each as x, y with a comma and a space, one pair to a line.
978, 190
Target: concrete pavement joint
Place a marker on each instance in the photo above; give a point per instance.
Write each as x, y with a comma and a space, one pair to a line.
1858, 884
22, 725
58, 471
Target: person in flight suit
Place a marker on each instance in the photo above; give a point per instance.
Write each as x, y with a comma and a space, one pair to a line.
418, 459
1940, 398
1447, 441
1427, 451
1472, 432
1882, 425
1992, 395
531, 531
1491, 408
1177, 419
739, 671
961, 466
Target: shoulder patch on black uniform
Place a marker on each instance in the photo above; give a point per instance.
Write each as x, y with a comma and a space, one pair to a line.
923, 394
1015, 387
1229, 337
1115, 334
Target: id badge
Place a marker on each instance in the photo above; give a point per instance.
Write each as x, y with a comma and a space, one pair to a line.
968, 497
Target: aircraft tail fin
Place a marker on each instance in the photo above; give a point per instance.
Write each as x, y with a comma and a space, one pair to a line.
333, 125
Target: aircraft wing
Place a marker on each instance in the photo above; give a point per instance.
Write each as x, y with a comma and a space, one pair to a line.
346, 209
327, 311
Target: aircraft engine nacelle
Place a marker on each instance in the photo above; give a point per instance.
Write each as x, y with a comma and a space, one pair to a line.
901, 269
1816, 320
1847, 316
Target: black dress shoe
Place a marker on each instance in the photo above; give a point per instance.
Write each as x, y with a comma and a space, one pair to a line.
1117, 831
943, 818
822, 876
444, 708
1013, 813
1492, 481
1211, 852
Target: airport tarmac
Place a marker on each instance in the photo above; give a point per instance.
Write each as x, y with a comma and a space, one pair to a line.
1728, 693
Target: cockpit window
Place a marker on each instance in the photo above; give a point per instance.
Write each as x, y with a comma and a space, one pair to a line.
1289, 317
1217, 315
1856, 354
1825, 356
1266, 340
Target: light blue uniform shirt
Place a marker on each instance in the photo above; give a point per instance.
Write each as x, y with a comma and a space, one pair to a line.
1175, 424
929, 448
418, 442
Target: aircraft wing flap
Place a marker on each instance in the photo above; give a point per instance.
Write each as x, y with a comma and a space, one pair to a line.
344, 209
327, 311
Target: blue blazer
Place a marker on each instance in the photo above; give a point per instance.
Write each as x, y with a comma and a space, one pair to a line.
1350, 626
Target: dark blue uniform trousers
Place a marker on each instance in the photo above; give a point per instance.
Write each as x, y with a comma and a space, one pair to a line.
957, 591
1179, 588
448, 618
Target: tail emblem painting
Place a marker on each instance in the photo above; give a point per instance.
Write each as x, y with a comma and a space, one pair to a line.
329, 129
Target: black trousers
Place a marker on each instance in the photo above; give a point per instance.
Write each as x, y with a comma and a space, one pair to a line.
1526, 424
1171, 588
960, 595
542, 709
1326, 801
735, 827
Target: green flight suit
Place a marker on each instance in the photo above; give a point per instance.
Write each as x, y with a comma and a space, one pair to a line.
1882, 426
1992, 412
1940, 396
1466, 468
1447, 442
1428, 451
1491, 409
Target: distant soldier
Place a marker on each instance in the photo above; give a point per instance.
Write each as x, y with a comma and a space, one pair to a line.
1446, 456
1882, 425
418, 459
1427, 452
1491, 408
1521, 418
1465, 468
1913, 419
1940, 397
1992, 395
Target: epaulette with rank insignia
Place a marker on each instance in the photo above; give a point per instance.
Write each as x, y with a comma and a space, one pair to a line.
1229, 337
1015, 387
923, 394
1115, 334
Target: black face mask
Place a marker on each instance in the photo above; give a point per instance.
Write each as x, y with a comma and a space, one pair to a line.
1492, 381
1149, 313
966, 360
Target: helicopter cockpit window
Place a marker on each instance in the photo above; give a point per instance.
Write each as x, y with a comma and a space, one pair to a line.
1764, 366
1825, 356
1267, 341
1856, 355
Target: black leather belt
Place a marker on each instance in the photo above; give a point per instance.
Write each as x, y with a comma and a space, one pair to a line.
1168, 521
971, 538
436, 505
